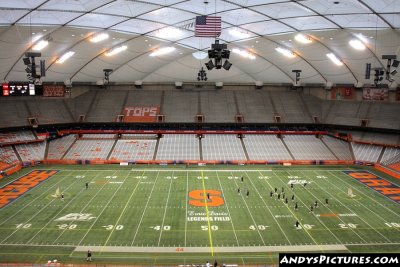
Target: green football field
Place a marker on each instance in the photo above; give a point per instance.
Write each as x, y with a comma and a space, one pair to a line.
162, 215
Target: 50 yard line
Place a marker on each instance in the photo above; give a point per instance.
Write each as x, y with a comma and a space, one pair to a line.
208, 217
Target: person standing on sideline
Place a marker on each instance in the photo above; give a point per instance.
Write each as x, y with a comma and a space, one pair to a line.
89, 256
208, 264
215, 263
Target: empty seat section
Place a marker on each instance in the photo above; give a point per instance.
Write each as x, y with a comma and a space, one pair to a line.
307, 147
138, 136
144, 98
344, 113
7, 154
131, 150
255, 107
180, 106
13, 113
58, 147
178, 147
13, 137
384, 115
90, 149
369, 153
31, 152
99, 136
49, 111
314, 105
106, 106
290, 107
218, 106
265, 147
80, 105
390, 156
222, 147
339, 147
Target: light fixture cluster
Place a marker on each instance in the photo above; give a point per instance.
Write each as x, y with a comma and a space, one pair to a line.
107, 73
218, 52
391, 66
30, 69
297, 78
202, 75
379, 72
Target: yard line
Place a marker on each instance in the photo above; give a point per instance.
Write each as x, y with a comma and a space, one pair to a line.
39, 197
186, 205
33, 216
327, 228
377, 215
207, 214
145, 208
165, 210
120, 216
364, 185
87, 204
294, 215
104, 208
258, 192
354, 231
227, 208
51, 220
251, 215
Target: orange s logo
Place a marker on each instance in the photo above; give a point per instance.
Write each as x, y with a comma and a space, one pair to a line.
198, 198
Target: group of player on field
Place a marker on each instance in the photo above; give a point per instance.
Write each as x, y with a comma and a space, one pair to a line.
281, 195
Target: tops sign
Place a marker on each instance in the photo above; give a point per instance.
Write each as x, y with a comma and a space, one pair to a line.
141, 114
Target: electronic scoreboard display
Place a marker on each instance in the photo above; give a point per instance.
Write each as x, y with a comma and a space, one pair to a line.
21, 89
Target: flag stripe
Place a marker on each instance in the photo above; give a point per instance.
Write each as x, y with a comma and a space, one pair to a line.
207, 26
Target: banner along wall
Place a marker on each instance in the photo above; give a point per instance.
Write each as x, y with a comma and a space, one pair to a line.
141, 114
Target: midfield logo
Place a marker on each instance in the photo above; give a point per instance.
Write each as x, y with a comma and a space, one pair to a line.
82, 217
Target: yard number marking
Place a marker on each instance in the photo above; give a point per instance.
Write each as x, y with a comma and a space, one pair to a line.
259, 227
111, 227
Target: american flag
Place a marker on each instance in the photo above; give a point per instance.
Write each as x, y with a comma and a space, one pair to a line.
207, 26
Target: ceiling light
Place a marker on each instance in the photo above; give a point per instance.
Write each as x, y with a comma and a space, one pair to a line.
99, 37
162, 51
116, 50
243, 53
40, 45
199, 55
357, 44
169, 33
239, 34
334, 59
65, 57
285, 52
304, 39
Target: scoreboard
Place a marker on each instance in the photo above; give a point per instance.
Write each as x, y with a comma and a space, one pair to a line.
21, 89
